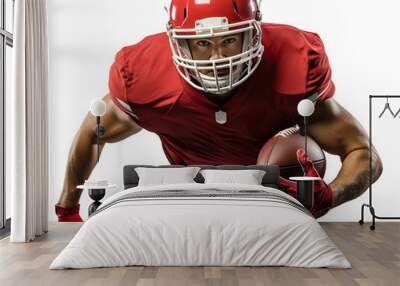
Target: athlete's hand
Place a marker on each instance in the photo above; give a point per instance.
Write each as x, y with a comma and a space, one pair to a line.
68, 214
322, 192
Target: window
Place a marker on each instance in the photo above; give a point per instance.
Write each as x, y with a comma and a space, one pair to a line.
6, 44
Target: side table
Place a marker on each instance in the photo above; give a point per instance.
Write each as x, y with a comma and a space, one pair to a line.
96, 193
305, 190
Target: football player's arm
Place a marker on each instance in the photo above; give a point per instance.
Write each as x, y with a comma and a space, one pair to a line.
82, 156
339, 133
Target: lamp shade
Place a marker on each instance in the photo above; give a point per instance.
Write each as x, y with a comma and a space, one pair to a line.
98, 107
305, 107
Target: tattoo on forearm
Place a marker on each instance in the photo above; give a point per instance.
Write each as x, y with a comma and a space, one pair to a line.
355, 188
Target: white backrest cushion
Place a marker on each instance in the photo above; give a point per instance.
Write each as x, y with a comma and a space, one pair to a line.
248, 177
162, 176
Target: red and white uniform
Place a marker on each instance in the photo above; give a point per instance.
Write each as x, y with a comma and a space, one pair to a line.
145, 84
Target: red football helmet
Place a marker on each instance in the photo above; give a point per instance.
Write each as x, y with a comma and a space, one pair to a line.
194, 19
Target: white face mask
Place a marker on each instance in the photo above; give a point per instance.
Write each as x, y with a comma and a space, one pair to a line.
240, 66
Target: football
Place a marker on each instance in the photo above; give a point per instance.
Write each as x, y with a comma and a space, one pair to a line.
281, 150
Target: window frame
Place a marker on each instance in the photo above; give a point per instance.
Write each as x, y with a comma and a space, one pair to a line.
6, 39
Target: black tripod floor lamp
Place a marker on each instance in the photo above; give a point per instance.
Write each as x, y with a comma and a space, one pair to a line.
370, 205
97, 188
305, 184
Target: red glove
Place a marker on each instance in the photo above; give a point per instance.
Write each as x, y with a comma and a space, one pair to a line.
323, 197
68, 214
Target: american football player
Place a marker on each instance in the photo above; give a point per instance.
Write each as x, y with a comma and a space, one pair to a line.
215, 87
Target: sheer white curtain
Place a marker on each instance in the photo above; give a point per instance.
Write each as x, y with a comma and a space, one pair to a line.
28, 123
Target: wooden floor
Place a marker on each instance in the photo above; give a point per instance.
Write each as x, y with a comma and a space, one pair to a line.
375, 257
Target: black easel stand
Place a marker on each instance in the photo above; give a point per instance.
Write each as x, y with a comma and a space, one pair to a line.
370, 206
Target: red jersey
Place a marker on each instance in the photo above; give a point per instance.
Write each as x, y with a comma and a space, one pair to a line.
145, 84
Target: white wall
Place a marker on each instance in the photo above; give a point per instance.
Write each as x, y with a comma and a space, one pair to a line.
361, 38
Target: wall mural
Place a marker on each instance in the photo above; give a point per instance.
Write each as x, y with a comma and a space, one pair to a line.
221, 87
